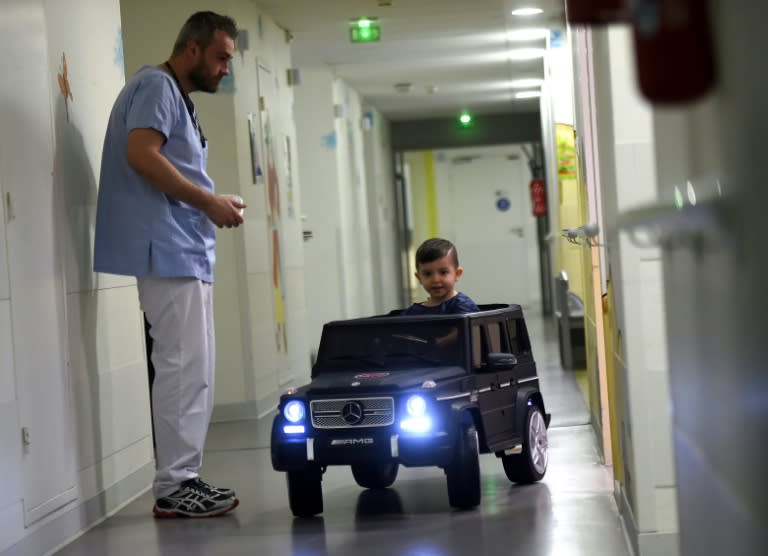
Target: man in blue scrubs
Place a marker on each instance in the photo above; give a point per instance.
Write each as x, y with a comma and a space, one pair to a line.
156, 220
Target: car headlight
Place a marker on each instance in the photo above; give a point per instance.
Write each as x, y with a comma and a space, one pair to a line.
416, 419
294, 411
416, 406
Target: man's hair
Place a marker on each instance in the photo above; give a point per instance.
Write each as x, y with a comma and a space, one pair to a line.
434, 249
200, 27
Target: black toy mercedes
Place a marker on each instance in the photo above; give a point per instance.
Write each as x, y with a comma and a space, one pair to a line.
415, 391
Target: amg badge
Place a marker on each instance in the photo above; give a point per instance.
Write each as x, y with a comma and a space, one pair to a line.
351, 441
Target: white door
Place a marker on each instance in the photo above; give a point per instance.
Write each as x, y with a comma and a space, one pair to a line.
35, 270
490, 208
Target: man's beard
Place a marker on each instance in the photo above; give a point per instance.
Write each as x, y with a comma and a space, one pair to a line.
201, 82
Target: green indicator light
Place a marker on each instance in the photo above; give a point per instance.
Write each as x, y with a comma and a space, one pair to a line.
679, 202
364, 30
465, 119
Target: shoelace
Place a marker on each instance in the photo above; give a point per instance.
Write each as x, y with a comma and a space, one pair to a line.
206, 489
208, 486
199, 487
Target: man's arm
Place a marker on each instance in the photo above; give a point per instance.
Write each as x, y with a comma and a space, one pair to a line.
144, 156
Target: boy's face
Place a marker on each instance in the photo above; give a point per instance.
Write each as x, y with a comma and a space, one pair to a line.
438, 278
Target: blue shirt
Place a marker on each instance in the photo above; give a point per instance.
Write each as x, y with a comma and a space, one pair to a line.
459, 303
139, 230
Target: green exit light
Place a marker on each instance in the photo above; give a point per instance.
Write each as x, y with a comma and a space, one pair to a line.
465, 119
365, 29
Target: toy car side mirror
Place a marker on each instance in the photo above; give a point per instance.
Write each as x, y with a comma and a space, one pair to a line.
501, 360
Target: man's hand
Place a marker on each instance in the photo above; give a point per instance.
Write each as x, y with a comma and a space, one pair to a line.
224, 211
144, 156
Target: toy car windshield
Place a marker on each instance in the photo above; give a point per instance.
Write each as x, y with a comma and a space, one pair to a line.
392, 345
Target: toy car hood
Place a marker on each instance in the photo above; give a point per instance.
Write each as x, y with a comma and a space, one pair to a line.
382, 379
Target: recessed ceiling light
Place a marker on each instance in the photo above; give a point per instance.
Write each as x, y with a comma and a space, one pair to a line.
528, 94
527, 34
527, 11
526, 83
525, 53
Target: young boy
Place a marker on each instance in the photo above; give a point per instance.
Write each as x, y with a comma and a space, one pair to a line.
438, 270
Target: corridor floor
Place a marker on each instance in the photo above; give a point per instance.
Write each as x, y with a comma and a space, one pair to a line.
571, 512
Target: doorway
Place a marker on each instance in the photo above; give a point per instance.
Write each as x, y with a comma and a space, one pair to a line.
478, 199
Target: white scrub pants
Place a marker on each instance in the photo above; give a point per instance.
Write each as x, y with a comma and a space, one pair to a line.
180, 314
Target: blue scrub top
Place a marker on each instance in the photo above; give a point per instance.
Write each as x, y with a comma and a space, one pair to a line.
139, 230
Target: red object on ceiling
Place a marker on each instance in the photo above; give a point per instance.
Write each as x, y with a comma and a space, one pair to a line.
673, 49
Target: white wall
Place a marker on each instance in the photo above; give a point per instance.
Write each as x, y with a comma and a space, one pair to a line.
705, 225
356, 258
108, 363
382, 212
317, 145
625, 146
711, 168
260, 73
108, 437
348, 194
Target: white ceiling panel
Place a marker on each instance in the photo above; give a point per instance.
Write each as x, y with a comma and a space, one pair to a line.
452, 52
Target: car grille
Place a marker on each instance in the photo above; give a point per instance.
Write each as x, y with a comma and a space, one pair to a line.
345, 413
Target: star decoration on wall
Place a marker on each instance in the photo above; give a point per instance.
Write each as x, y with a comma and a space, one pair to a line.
64, 84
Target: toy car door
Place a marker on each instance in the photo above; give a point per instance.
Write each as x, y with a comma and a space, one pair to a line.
493, 380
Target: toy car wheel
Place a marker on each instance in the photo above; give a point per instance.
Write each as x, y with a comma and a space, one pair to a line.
305, 493
375, 475
463, 473
530, 465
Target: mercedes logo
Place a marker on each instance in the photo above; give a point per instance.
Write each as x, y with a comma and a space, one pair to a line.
352, 413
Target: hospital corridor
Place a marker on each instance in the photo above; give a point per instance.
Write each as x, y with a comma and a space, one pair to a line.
301, 166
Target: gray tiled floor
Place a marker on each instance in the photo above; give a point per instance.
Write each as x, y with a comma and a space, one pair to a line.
570, 513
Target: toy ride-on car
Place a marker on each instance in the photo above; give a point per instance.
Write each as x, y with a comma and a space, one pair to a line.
414, 391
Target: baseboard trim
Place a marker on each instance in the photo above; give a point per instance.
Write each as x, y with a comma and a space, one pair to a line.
51, 536
659, 544
627, 517
652, 543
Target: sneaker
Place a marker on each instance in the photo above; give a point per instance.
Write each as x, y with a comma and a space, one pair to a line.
228, 492
194, 499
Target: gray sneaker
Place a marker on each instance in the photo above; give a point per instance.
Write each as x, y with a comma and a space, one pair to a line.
195, 499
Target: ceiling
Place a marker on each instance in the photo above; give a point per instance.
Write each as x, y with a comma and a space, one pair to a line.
453, 53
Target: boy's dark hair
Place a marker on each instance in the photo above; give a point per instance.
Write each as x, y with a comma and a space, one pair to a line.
200, 28
436, 248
